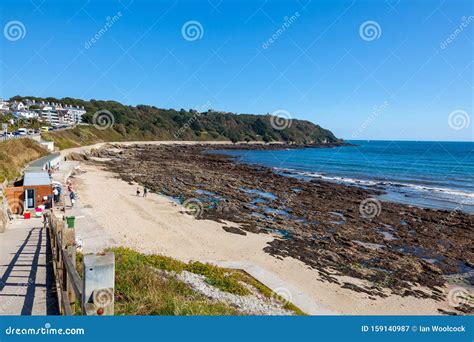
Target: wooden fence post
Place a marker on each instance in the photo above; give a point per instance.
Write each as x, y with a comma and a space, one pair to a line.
71, 252
69, 244
98, 284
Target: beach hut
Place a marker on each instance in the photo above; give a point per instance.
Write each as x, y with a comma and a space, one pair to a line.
33, 191
35, 188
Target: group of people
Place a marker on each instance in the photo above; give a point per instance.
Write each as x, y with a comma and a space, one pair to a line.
145, 191
57, 193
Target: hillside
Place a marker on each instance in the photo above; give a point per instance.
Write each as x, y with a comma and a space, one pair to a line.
15, 154
151, 123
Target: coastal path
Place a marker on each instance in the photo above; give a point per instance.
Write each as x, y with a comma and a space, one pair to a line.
26, 273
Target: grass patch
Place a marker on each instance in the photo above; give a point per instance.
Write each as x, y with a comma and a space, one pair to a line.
267, 292
139, 290
218, 277
81, 136
15, 154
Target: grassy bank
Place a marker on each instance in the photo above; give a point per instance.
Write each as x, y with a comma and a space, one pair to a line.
81, 136
141, 288
89, 135
15, 154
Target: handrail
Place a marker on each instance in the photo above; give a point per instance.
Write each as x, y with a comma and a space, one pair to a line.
65, 273
66, 304
75, 278
92, 294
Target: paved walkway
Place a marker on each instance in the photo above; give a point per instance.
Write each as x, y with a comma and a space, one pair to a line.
26, 273
27, 285
90, 236
39, 164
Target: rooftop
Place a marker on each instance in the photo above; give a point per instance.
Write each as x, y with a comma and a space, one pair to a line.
36, 178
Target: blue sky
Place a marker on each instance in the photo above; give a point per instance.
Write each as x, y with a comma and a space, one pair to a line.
401, 83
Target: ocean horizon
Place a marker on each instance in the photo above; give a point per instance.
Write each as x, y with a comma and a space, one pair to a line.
432, 174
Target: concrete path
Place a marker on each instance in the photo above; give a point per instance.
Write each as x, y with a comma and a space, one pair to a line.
90, 236
65, 170
26, 273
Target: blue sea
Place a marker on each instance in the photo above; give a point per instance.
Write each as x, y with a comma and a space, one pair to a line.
428, 174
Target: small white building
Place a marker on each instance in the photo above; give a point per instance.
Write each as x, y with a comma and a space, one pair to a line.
25, 114
4, 106
65, 117
18, 106
51, 117
76, 113
46, 107
49, 145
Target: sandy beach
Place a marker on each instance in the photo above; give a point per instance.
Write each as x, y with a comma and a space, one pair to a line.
157, 224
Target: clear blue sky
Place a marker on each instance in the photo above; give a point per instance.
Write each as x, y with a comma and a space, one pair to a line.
319, 68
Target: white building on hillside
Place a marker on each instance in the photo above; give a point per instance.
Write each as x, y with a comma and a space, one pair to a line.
26, 114
65, 118
76, 113
4, 106
18, 106
50, 116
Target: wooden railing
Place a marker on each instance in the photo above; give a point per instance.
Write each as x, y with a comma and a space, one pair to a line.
92, 294
4, 218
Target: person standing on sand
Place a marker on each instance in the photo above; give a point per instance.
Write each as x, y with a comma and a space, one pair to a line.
72, 196
56, 195
138, 191
145, 191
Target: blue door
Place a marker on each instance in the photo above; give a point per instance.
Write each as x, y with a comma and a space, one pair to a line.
30, 202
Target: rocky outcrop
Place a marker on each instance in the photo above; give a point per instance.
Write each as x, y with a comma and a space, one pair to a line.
393, 247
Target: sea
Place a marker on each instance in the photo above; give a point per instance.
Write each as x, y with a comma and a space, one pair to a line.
428, 174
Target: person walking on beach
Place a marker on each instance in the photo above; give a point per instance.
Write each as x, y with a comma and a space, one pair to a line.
138, 191
56, 195
145, 191
72, 196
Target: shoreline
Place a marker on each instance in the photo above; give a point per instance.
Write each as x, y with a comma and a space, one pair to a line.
439, 197
157, 225
305, 278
